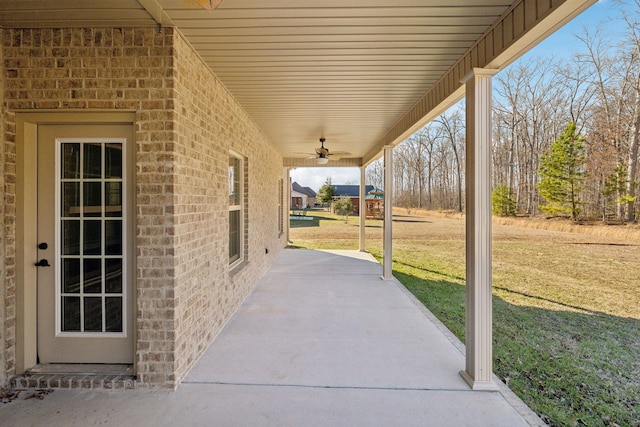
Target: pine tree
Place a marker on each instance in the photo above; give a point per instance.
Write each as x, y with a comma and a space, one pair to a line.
502, 201
562, 174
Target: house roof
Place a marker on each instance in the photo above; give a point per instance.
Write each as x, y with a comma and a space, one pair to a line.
350, 190
364, 74
304, 190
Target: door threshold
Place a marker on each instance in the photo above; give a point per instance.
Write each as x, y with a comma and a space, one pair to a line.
80, 369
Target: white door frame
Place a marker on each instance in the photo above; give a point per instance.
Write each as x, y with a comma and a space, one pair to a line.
26, 219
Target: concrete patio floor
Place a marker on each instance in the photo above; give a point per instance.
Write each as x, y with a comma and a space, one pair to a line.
322, 341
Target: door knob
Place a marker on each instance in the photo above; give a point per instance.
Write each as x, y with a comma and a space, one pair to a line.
43, 263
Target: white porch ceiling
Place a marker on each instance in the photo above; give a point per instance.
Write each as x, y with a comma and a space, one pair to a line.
360, 73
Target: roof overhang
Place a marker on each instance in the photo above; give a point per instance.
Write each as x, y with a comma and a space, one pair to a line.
364, 74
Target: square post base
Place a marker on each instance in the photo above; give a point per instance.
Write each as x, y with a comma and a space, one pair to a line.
478, 385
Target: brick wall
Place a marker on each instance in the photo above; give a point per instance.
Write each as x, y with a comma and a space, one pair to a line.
209, 123
3, 278
186, 123
8, 248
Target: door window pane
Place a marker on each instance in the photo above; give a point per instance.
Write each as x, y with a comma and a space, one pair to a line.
93, 314
113, 314
92, 198
92, 160
92, 238
71, 275
71, 237
70, 199
113, 161
113, 276
113, 237
70, 160
113, 199
92, 276
71, 314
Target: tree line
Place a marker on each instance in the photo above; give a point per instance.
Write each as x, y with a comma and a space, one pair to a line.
588, 102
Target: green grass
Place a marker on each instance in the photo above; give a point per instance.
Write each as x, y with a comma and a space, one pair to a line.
310, 221
572, 368
566, 310
328, 231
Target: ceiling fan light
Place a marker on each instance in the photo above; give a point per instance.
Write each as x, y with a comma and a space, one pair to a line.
322, 160
209, 4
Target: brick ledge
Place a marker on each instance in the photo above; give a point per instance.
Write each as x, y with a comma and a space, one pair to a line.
73, 381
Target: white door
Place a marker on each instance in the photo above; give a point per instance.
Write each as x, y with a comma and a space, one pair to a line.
85, 275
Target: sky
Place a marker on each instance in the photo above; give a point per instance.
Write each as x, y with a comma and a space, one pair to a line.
562, 42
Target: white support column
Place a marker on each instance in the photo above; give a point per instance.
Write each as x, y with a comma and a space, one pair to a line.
287, 203
479, 352
387, 263
363, 205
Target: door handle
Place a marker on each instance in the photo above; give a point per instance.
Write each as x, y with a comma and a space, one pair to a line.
43, 263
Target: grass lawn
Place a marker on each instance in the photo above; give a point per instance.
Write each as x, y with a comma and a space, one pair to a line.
566, 307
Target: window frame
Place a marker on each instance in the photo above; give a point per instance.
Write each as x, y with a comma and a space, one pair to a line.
280, 207
237, 206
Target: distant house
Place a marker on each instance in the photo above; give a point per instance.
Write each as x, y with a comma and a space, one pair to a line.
302, 197
353, 192
299, 200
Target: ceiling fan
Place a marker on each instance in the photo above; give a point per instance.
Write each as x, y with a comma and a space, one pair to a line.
203, 4
323, 155
209, 4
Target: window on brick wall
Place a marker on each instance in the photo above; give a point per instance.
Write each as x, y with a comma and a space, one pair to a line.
280, 199
236, 209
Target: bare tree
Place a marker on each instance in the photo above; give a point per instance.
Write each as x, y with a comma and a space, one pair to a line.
632, 54
534, 100
528, 101
616, 124
607, 133
453, 128
374, 174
